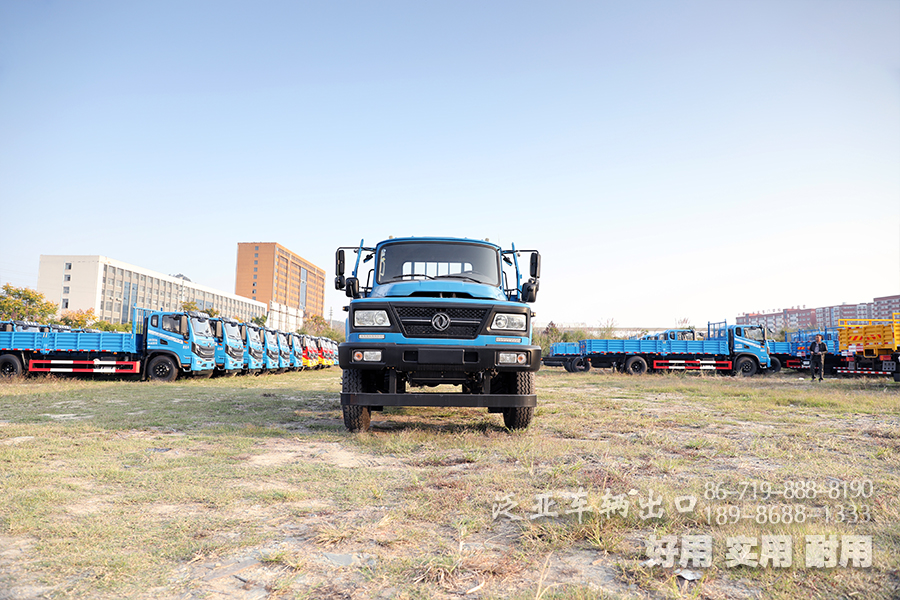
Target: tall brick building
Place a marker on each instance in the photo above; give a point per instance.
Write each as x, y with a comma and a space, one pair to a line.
290, 285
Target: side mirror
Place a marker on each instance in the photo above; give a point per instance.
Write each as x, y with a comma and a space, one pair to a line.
339, 263
185, 330
352, 287
535, 265
339, 282
530, 290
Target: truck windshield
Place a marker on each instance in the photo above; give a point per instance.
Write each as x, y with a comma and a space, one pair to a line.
253, 336
201, 327
232, 331
271, 340
754, 333
432, 260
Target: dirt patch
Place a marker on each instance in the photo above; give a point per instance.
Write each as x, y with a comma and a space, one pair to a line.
279, 452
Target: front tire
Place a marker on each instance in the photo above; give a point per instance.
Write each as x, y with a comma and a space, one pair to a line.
519, 417
10, 366
356, 418
745, 367
162, 368
776, 365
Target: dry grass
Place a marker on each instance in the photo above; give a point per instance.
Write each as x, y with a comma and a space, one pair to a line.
111, 488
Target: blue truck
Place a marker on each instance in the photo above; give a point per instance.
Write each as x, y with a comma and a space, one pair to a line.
284, 351
271, 362
736, 349
794, 352
229, 346
296, 341
566, 355
251, 335
161, 346
431, 311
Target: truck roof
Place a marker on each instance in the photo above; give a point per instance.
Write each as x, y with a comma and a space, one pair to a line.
438, 239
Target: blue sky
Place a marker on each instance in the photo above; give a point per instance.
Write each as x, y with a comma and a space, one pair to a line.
670, 159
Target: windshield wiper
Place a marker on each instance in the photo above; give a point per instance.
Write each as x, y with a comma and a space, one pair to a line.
458, 276
410, 275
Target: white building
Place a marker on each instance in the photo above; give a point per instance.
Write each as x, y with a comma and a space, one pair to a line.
284, 318
112, 287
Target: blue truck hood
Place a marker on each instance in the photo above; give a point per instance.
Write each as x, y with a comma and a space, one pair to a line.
427, 288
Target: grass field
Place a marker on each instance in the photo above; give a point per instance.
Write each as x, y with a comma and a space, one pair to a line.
251, 488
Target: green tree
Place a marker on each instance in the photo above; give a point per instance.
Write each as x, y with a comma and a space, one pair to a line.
211, 312
186, 306
260, 320
107, 326
25, 304
314, 325
78, 318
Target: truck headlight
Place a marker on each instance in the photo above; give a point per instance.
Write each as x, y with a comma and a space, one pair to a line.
371, 318
509, 322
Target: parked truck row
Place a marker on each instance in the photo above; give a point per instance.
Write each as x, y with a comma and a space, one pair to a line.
161, 346
855, 347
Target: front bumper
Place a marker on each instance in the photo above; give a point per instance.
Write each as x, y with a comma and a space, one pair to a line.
411, 358
434, 399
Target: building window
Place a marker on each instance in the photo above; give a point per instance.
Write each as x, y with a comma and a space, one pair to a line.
256, 248
65, 289
67, 278
68, 266
65, 303
254, 269
255, 262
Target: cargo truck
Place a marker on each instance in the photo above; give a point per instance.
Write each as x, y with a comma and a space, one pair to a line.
253, 348
869, 346
433, 311
161, 346
736, 349
229, 346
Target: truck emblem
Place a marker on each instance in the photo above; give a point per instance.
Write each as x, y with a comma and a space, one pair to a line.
440, 321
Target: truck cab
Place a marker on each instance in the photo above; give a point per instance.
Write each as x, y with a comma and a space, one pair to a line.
253, 348
229, 345
296, 341
310, 352
181, 341
284, 351
747, 345
426, 312
271, 351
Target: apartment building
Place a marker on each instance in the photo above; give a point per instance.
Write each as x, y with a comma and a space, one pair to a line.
823, 316
885, 307
290, 285
111, 287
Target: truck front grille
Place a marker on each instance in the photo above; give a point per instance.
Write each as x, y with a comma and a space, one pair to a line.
465, 323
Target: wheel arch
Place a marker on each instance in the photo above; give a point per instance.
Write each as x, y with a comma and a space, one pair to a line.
175, 358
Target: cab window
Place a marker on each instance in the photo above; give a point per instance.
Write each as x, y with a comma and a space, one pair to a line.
171, 323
